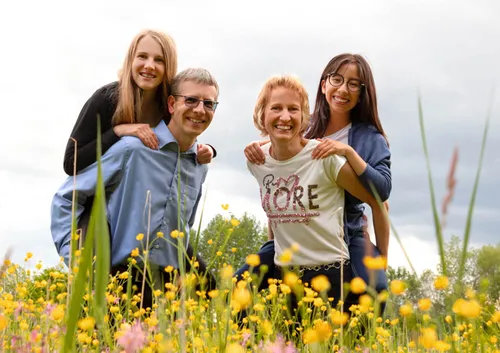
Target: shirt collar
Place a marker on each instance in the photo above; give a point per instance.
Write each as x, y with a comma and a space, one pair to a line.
165, 137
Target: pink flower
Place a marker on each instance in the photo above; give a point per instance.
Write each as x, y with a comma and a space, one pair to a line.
133, 338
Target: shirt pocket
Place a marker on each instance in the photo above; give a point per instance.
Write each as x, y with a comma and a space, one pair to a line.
188, 201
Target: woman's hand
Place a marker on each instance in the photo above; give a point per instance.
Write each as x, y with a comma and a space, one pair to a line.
205, 154
141, 131
254, 153
328, 147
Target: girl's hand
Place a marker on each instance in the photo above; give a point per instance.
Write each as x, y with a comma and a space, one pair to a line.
254, 153
328, 147
141, 131
205, 154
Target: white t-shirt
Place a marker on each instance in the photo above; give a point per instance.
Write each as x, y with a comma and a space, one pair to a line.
342, 135
304, 205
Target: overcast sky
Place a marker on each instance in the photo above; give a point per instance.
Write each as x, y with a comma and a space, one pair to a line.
57, 53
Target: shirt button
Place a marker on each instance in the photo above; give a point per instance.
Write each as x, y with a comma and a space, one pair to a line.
157, 246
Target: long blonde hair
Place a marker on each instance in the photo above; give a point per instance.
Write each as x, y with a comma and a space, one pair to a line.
129, 107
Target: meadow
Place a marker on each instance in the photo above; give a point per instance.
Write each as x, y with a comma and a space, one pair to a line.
83, 309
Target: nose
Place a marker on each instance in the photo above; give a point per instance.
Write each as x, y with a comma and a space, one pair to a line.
200, 109
149, 64
285, 116
343, 87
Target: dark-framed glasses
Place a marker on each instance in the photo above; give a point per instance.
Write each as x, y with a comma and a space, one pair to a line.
337, 80
193, 102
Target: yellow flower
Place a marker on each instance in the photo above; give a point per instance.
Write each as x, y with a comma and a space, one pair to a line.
57, 313
397, 287
210, 242
218, 253
358, 286
253, 260
310, 336
267, 327
320, 283
424, 304
375, 263
441, 282
241, 296
234, 348
39, 266
86, 324
235, 222
428, 338
405, 310
3, 322
160, 234
448, 319
442, 346
174, 234
286, 256
467, 308
135, 252
225, 206
290, 279
139, 236
339, 318
169, 269
233, 250
29, 255
496, 317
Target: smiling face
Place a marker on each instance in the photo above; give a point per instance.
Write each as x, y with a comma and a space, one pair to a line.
188, 122
283, 116
340, 99
148, 65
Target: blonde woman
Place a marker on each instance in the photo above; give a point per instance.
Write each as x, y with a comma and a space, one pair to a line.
304, 197
131, 105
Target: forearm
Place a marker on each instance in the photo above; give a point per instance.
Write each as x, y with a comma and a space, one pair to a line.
357, 163
382, 228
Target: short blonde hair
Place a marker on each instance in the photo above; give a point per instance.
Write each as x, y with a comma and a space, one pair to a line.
286, 81
129, 107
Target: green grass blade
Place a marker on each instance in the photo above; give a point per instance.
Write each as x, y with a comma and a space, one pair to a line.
101, 235
468, 223
437, 223
75, 304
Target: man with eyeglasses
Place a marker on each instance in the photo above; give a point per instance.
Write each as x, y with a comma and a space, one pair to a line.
150, 193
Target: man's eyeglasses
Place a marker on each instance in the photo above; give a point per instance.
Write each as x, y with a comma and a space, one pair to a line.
193, 102
353, 85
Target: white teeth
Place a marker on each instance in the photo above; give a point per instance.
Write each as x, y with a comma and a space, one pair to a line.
338, 99
195, 121
284, 127
147, 75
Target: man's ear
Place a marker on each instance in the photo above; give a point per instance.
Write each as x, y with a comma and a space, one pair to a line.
170, 103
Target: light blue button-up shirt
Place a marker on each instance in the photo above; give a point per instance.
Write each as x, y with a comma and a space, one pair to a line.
136, 179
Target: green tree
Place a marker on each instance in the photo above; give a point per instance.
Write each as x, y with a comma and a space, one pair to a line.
230, 240
488, 267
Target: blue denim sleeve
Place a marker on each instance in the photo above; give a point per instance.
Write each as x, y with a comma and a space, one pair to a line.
84, 186
378, 169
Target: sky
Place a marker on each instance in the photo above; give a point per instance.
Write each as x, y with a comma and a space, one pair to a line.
57, 53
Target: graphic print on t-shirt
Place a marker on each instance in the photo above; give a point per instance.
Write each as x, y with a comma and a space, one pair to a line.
289, 198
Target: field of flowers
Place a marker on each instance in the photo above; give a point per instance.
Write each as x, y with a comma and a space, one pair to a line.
85, 310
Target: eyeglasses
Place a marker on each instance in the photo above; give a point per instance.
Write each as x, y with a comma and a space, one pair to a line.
193, 102
353, 85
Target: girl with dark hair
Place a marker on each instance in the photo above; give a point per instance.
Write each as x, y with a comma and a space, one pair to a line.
345, 119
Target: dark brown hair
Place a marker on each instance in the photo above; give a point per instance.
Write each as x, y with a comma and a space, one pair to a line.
364, 112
